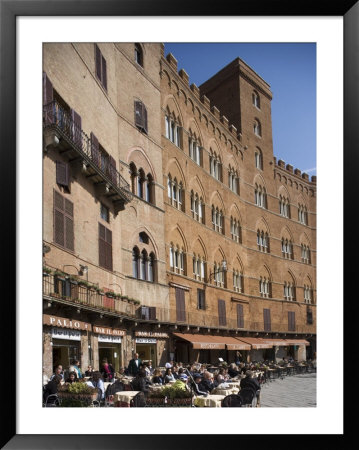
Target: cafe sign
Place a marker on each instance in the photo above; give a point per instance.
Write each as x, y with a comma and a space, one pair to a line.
151, 334
65, 323
145, 341
110, 339
108, 331
61, 333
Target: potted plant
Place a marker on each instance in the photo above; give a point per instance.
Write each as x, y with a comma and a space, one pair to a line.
175, 395
46, 271
76, 394
100, 291
60, 275
110, 294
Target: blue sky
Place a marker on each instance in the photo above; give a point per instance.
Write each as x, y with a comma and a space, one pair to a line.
289, 69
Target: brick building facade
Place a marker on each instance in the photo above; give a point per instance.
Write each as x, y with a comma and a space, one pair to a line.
169, 227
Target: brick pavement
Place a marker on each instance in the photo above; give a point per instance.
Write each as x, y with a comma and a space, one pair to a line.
291, 391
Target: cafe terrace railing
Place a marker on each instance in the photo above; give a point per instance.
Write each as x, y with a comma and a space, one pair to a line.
55, 117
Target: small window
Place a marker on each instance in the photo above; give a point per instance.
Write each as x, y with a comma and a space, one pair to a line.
201, 303
143, 237
101, 67
138, 55
105, 213
256, 100
141, 116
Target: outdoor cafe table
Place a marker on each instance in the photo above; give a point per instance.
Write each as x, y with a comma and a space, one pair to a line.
123, 399
214, 401
225, 392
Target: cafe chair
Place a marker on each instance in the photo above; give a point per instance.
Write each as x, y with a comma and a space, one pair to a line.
248, 397
232, 401
98, 402
52, 400
138, 401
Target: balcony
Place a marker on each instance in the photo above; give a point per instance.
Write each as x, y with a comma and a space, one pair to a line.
67, 290
64, 134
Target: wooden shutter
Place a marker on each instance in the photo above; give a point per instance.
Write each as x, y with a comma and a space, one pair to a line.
240, 316
63, 221
95, 150
180, 305
222, 312
104, 73
105, 247
76, 128
144, 117
98, 62
138, 114
62, 173
48, 91
152, 312
112, 170
291, 321
266, 319
201, 299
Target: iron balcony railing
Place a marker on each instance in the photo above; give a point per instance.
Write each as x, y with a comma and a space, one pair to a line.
57, 118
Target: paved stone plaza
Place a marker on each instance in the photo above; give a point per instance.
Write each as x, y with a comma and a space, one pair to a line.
291, 391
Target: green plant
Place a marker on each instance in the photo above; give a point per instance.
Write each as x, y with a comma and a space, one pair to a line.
46, 270
176, 390
59, 273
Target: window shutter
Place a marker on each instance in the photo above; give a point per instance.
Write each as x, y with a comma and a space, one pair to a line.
152, 312
59, 219
104, 73
138, 114
95, 150
112, 170
240, 316
76, 128
291, 321
98, 62
222, 312
102, 245
48, 91
108, 249
266, 319
144, 118
69, 225
180, 305
62, 173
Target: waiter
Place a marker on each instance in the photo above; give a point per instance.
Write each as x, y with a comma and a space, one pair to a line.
134, 365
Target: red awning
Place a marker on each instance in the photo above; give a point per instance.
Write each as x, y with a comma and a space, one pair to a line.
277, 342
234, 343
256, 343
200, 341
297, 342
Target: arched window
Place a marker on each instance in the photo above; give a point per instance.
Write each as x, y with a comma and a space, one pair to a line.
215, 166
175, 193
263, 241
289, 291
173, 129
151, 267
141, 184
177, 260
305, 254
195, 149
307, 294
217, 220
237, 281
149, 189
219, 278
199, 267
284, 207
257, 128
133, 174
236, 230
260, 196
258, 158
233, 180
138, 55
302, 214
264, 287
287, 249
135, 262
256, 100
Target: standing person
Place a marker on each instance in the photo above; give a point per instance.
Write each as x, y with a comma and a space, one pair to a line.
238, 358
134, 365
106, 371
58, 371
75, 367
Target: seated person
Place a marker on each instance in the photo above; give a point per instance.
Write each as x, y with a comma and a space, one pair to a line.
169, 376
250, 382
175, 372
157, 377
121, 373
51, 388
139, 383
207, 383
198, 387
89, 371
58, 371
72, 377
233, 371
96, 381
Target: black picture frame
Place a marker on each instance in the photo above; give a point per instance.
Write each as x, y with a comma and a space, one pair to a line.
9, 10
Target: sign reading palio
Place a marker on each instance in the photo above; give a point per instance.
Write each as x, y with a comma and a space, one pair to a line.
108, 331
61, 322
153, 334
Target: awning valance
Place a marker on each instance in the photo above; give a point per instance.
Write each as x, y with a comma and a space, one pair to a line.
297, 342
256, 343
234, 343
277, 342
200, 341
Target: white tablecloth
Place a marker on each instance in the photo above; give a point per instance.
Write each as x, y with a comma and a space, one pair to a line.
124, 396
225, 392
213, 401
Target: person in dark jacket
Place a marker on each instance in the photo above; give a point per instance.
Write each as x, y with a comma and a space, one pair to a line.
140, 383
134, 365
207, 384
51, 389
250, 382
157, 377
